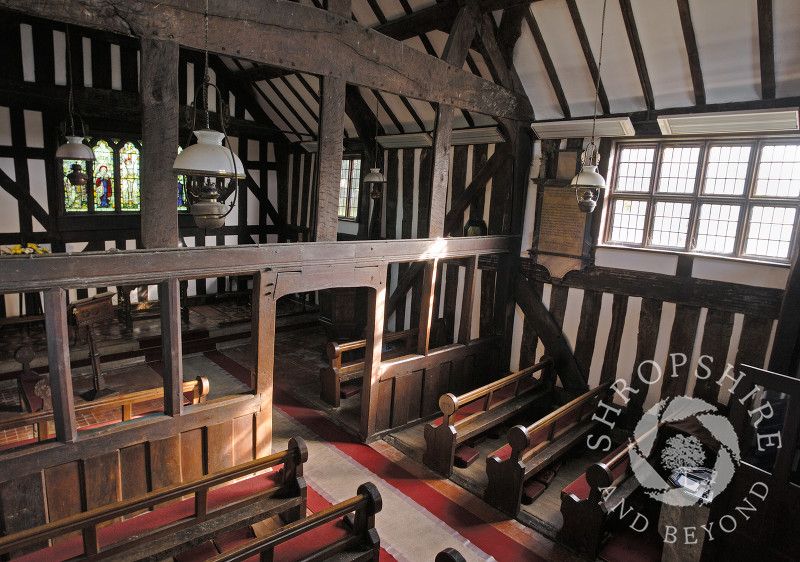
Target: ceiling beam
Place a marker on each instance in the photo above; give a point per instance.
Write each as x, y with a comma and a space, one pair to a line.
295, 37
638, 53
587, 53
509, 30
439, 16
766, 47
691, 51
258, 73
548, 63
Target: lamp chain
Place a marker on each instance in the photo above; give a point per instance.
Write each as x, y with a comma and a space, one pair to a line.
70, 102
597, 84
206, 78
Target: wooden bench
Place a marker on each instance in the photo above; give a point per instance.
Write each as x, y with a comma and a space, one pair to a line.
223, 501
482, 409
194, 392
338, 372
325, 535
531, 449
586, 509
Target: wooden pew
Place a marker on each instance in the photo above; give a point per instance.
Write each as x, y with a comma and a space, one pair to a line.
531, 449
309, 539
482, 409
222, 501
337, 372
586, 509
195, 392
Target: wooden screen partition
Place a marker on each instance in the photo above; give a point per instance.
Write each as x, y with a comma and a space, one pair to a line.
148, 453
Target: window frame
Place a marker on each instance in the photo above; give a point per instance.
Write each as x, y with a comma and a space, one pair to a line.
746, 201
351, 158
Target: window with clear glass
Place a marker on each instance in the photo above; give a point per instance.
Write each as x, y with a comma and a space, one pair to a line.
349, 188
736, 197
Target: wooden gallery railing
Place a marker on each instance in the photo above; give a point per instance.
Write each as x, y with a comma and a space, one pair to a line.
277, 270
195, 392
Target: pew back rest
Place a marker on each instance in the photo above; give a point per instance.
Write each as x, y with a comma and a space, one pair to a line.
210, 501
357, 544
525, 442
464, 410
335, 350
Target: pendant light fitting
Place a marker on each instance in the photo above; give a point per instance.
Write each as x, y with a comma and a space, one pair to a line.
73, 148
213, 171
375, 176
588, 182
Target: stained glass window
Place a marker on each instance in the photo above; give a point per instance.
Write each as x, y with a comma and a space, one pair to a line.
181, 189
129, 177
74, 195
103, 179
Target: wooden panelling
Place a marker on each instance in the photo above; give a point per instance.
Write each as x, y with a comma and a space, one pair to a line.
165, 462
487, 288
384, 415
649, 319
619, 307
243, 439
587, 330
220, 446
134, 470
102, 480
530, 339
558, 304
406, 398
754, 340
681, 341
63, 492
22, 505
716, 341
192, 454
435, 384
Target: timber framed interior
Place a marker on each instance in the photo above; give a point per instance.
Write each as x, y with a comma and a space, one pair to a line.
463, 321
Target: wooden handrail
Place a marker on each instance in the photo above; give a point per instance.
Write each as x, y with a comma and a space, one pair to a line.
519, 435
335, 349
296, 454
199, 388
368, 498
449, 403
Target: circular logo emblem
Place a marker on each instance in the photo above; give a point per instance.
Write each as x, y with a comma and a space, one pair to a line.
683, 456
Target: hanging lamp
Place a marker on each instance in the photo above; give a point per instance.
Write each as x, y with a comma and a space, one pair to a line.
374, 178
588, 182
213, 170
73, 148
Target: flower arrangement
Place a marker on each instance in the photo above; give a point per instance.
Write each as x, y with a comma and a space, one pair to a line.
29, 248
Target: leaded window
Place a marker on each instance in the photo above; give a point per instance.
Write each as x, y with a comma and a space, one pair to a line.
732, 197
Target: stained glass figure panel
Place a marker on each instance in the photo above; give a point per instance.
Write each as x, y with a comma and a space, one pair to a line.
130, 194
74, 195
103, 179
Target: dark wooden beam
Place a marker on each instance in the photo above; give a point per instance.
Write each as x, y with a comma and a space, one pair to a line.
587, 53
555, 343
638, 53
55, 316
509, 30
258, 73
439, 16
692, 52
159, 130
329, 165
169, 295
296, 37
548, 63
494, 5
766, 48
455, 217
